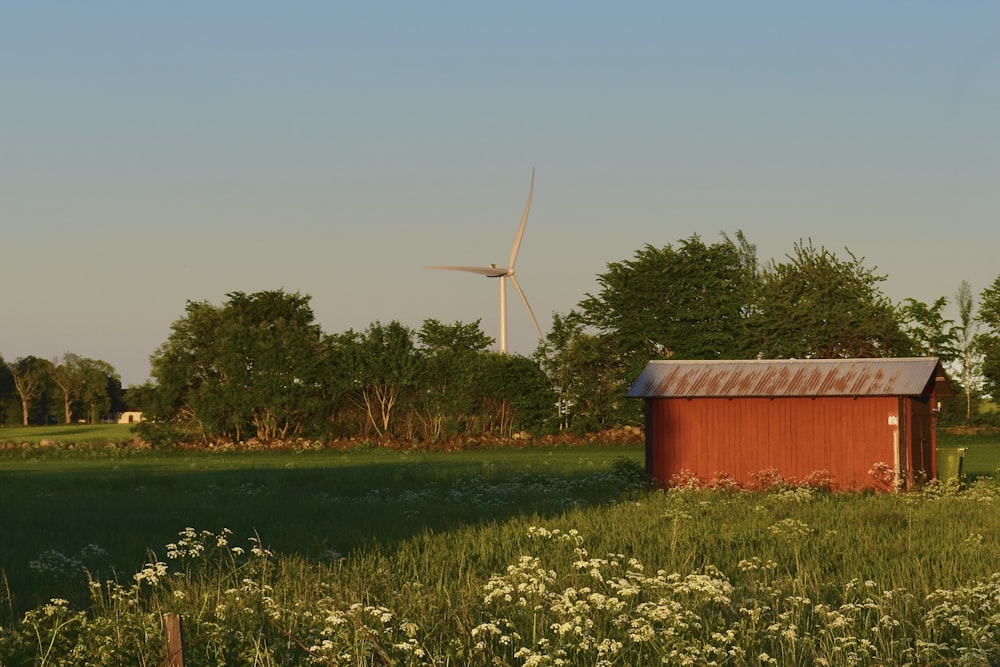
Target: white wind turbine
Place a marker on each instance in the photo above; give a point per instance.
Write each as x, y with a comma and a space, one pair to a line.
494, 271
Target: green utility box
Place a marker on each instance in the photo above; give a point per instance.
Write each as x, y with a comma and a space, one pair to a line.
949, 462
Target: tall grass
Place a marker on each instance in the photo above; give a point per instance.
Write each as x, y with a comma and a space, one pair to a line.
489, 557
585, 567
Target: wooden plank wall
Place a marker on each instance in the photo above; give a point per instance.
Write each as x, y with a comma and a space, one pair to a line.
796, 436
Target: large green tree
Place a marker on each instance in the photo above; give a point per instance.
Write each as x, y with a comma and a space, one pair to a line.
931, 333
988, 341
691, 300
450, 356
101, 389
816, 305
376, 369
7, 394
85, 385
66, 378
513, 395
586, 375
253, 366
30, 376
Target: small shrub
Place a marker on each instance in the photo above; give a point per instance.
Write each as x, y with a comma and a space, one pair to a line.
159, 434
630, 472
884, 475
723, 481
820, 480
767, 479
685, 480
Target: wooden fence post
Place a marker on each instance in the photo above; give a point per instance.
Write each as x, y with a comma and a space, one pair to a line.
175, 640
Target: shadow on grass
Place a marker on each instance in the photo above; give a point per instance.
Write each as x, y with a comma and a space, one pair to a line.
107, 516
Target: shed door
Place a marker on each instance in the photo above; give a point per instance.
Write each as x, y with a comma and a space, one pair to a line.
921, 441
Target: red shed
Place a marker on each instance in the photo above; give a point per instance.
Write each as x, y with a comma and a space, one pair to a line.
796, 417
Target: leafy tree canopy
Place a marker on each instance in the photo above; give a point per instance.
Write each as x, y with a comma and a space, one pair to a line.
251, 366
31, 379
932, 334
988, 342
588, 376
375, 369
817, 305
458, 337
689, 301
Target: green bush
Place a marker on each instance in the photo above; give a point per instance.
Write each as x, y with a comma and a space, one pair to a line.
159, 434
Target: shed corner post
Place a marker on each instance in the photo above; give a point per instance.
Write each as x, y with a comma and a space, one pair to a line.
647, 408
935, 409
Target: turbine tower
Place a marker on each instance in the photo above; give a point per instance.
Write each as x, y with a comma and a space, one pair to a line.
503, 273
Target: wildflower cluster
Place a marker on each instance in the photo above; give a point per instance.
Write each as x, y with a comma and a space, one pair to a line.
580, 609
691, 577
956, 617
768, 479
193, 544
233, 610
602, 610
485, 490
61, 568
886, 477
357, 633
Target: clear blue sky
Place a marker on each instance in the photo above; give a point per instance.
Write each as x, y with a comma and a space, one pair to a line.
154, 153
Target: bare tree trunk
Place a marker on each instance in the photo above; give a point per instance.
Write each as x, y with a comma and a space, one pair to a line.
379, 399
967, 332
27, 384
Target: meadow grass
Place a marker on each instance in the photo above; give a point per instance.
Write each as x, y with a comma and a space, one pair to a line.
793, 576
505, 557
308, 502
67, 433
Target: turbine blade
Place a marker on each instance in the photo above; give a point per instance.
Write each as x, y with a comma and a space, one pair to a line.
524, 300
488, 271
524, 219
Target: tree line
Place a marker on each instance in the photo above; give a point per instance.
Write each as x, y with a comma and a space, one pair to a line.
258, 366
61, 390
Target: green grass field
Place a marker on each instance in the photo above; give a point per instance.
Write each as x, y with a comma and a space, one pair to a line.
307, 503
982, 457
66, 433
496, 556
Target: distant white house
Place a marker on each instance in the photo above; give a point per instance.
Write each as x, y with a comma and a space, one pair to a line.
133, 417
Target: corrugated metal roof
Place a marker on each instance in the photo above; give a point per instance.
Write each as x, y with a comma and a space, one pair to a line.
789, 377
